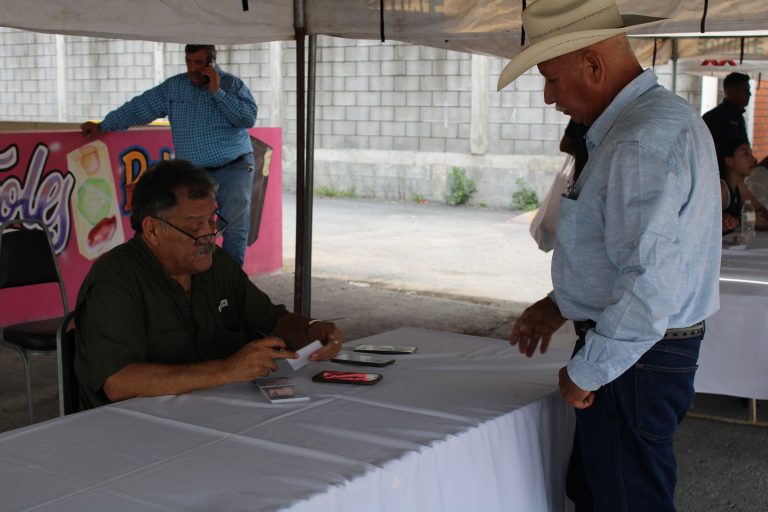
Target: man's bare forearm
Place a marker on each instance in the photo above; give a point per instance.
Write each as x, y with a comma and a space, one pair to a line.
152, 379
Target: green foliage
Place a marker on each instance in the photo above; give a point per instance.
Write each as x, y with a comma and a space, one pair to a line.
524, 198
418, 198
331, 191
460, 187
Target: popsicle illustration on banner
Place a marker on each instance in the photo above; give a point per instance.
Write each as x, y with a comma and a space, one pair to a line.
95, 209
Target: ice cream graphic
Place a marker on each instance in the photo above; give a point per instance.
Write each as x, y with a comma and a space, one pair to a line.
94, 204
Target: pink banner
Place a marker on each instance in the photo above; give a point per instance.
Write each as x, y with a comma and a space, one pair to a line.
81, 190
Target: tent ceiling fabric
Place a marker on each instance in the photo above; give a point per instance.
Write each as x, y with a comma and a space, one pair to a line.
489, 27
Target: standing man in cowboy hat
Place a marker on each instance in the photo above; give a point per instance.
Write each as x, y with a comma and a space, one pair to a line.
636, 258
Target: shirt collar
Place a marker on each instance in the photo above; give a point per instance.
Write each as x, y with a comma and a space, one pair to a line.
633, 90
732, 106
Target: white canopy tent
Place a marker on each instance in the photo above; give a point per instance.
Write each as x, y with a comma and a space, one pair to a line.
490, 27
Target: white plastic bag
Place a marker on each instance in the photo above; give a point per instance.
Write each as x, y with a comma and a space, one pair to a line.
544, 223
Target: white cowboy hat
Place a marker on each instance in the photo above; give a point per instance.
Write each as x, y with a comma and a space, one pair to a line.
557, 27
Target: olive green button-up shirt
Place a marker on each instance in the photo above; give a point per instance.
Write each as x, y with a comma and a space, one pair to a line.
129, 310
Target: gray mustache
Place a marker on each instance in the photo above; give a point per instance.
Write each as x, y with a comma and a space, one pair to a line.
205, 249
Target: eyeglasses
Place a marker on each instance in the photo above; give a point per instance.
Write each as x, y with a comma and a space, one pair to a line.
219, 224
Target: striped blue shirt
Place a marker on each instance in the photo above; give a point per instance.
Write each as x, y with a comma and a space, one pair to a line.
638, 243
209, 130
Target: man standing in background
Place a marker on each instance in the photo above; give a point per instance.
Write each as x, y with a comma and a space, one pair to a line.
727, 119
210, 112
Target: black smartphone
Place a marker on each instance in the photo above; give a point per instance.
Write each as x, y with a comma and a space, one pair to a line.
363, 360
210, 62
385, 349
358, 378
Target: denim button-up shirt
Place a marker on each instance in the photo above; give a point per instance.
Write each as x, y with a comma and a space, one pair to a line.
639, 234
209, 130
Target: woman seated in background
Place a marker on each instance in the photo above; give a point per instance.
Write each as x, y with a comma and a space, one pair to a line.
757, 182
735, 159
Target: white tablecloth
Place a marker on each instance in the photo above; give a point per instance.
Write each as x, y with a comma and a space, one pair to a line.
734, 354
466, 423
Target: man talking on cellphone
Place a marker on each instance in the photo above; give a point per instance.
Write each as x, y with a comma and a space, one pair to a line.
210, 112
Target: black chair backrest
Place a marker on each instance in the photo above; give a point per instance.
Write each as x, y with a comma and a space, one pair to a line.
69, 390
26, 256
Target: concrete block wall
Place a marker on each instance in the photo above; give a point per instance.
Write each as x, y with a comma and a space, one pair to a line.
390, 117
27, 76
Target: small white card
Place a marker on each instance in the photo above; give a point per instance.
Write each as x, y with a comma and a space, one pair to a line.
304, 353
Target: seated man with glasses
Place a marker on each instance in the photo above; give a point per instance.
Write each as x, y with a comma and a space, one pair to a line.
167, 312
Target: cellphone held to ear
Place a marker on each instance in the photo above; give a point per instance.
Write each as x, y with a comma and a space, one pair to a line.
210, 63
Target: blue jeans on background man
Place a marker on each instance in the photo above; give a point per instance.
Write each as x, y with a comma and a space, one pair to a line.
623, 458
235, 182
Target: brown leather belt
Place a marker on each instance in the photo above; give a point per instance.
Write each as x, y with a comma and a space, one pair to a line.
677, 333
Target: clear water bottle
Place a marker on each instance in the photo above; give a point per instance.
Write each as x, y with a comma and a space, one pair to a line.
748, 221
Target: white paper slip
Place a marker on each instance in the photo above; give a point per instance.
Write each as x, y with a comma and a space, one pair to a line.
304, 355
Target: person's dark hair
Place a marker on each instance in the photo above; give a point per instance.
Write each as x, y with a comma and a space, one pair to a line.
734, 79
578, 144
726, 148
209, 48
156, 191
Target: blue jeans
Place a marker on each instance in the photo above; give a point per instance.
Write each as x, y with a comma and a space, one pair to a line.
234, 198
623, 458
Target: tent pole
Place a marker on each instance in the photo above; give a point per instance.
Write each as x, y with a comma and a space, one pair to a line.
674, 66
309, 175
301, 298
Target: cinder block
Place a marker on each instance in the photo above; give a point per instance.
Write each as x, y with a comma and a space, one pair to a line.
355, 142
404, 51
344, 69
344, 127
335, 113
458, 83
420, 129
418, 67
515, 98
384, 52
357, 113
382, 83
368, 68
406, 144
368, 128
344, 98
545, 132
529, 147
446, 99
393, 67
418, 99
392, 99
356, 83
431, 144
406, 83
432, 83
368, 98
445, 67
356, 53
394, 129
449, 131
406, 114
515, 131
382, 142
382, 114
